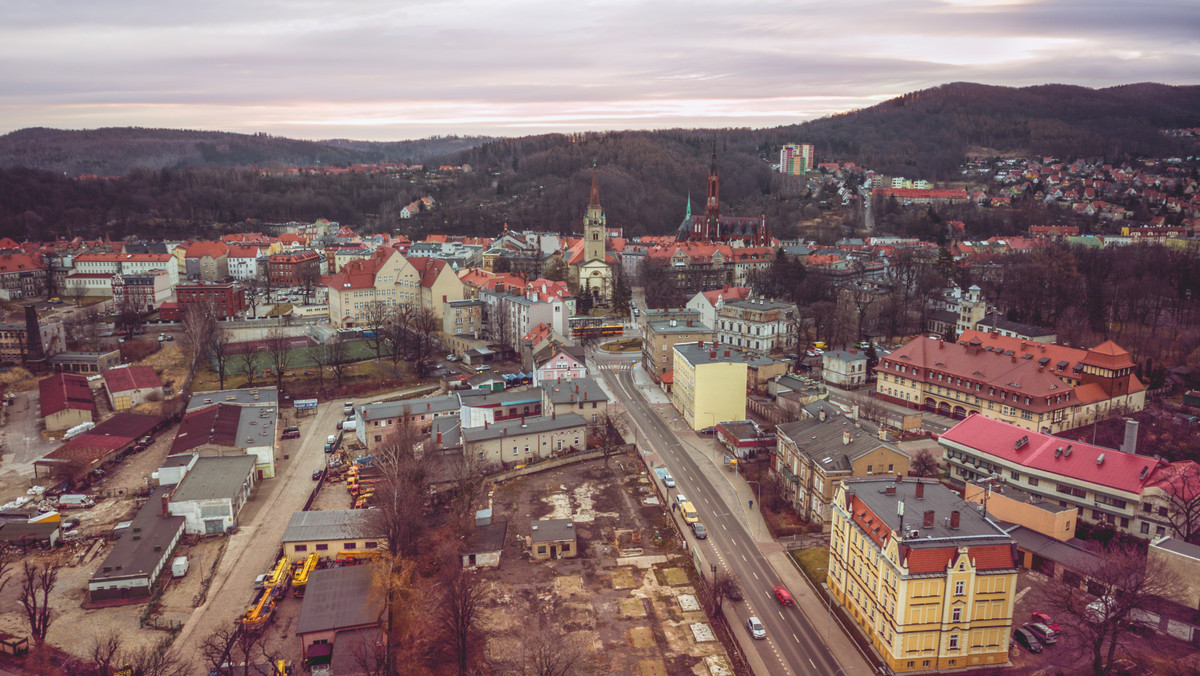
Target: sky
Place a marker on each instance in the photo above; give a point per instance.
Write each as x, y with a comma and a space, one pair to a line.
401, 69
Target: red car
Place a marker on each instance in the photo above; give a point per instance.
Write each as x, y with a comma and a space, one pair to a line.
1045, 619
782, 595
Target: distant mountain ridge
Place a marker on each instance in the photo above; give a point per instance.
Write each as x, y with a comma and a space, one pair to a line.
114, 151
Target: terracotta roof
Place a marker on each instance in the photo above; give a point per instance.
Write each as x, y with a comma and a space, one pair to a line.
240, 251
212, 249
123, 258
65, 391
1122, 471
1109, 355
1181, 479
359, 274
128, 378
111, 435
8, 244
429, 268
726, 293
216, 424
16, 262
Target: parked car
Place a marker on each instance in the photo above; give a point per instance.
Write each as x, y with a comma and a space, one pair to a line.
1046, 620
317, 475
291, 434
668, 481
735, 591
1027, 640
708, 431
483, 367
1044, 634
757, 630
452, 357
784, 596
698, 529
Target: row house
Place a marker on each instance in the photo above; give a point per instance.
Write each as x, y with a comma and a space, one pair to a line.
206, 261
659, 339
293, 268
758, 326
525, 440
228, 299
1135, 494
695, 266
1038, 386
243, 261
815, 454
511, 316
22, 275
707, 302
143, 292
463, 318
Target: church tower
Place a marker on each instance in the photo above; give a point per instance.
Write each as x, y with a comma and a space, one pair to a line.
595, 233
712, 203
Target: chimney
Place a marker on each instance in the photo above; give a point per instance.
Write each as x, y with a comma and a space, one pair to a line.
1129, 445
920, 490
439, 437
554, 414
485, 424
845, 437
954, 516
821, 415
890, 490
166, 501
522, 421
927, 520
883, 435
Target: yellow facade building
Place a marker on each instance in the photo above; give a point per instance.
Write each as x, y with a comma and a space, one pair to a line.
710, 383
928, 581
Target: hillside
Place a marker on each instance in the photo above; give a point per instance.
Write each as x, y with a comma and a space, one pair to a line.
115, 151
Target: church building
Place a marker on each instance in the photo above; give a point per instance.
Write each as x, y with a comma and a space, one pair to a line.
591, 266
713, 227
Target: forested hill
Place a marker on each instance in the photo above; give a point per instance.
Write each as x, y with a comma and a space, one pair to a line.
115, 151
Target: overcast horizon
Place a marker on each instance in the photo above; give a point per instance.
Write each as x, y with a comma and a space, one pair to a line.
380, 70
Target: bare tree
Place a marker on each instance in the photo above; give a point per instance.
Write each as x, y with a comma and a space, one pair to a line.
247, 363
5, 570
37, 583
218, 350
278, 346
607, 435
870, 408
401, 497
253, 286
1181, 493
924, 465
337, 357
372, 319
1129, 586
425, 341
398, 334
720, 589
461, 603
309, 278
467, 475
547, 652
199, 322
129, 314
407, 639
229, 649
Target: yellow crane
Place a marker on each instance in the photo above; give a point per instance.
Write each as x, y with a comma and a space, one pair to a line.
300, 577
273, 589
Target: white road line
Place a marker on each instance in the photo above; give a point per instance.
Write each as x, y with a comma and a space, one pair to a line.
811, 662
745, 559
755, 575
798, 640
781, 615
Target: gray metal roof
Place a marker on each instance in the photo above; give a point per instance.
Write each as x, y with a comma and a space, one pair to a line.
450, 427
484, 398
1179, 547
664, 326
250, 396
214, 478
573, 390
846, 355
144, 544
1071, 556
759, 304
711, 353
178, 460
823, 441
513, 427
941, 500
256, 426
552, 530
393, 409
339, 598
332, 524
489, 538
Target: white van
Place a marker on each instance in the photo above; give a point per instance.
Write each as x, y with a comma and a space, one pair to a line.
179, 567
348, 408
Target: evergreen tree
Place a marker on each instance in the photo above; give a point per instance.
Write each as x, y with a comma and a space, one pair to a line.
621, 295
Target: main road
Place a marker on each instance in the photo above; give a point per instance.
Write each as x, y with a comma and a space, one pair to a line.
793, 644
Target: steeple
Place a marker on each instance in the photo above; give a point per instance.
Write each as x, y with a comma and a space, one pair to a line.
688, 216
595, 198
712, 203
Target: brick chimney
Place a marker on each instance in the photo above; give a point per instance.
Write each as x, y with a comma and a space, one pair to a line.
166, 501
927, 520
845, 437
920, 490
954, 517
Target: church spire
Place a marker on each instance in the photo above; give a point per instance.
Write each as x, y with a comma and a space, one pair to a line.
595, 198
689, 207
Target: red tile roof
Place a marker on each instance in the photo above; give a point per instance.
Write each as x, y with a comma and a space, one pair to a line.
97, 443
360, 274
128, 378
429, 269
216, 424
726, 293
16, 262
1109, 355
123, 258
239, 251
65, 391
212, 249
1122, 471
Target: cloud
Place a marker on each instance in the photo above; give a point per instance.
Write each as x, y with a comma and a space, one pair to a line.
387, 69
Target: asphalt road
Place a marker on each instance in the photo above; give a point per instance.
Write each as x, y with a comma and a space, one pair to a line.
793, 645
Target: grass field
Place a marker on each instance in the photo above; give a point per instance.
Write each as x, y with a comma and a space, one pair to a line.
814, 561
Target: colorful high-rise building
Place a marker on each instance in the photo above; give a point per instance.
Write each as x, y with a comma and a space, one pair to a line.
796, 158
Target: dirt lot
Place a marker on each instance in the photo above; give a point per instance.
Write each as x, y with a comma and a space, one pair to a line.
634, 614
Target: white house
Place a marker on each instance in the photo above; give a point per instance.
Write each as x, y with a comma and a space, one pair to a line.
561, 366
243, 262
212, 493
845, 368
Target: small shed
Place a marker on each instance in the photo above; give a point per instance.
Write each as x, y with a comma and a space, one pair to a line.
485, 546
553, 539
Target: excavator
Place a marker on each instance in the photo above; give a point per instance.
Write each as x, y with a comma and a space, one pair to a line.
274, 588
300, 574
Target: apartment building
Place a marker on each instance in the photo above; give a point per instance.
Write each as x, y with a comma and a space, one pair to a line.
659, 339
844, 368
228, 299
814, 455
930, 584
145, 291
207, 261
1129, 492
710, 383
128, 264
523, 440
756, 325
796, 158
293, 268
463, 318
1038, 386
389, 278
582, 396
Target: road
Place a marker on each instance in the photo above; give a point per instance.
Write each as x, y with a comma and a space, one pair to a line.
793, 645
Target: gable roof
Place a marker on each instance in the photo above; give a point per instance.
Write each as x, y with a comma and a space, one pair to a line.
65, 391
205, 248
125, 378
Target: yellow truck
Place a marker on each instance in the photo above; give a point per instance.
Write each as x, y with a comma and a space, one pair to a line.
688, 512
301, 572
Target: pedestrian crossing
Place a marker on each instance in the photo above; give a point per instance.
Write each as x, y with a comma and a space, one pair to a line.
617, 366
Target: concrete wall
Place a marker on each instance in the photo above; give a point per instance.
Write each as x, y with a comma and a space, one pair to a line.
1058, 525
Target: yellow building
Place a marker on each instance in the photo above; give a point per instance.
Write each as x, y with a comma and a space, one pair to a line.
327, 533
710, 383
929, 583
1034, 512
658, 339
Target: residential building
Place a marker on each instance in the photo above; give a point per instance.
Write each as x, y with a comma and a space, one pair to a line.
796, 158
438, 283
293, 268
709, 383
228, 299
130, 386
553, 539
243, 261
929, 584
511, 316
14, 340
695, 266
757, 326
707, 302
844, 368
127, 264
463, 318
212, 493
1038, 386
1126, 491
207, 261
386, 277
143, 292
378, 421
659, 339
330, 532
521, 440
562, 365
83, 362
1180, 559
135, 563
22, 275
66, 401
339, 619
814, 455
583, 396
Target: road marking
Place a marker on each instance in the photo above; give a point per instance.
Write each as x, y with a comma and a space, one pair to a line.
797, 641
781, 615
810, 661
755, 575
745, 559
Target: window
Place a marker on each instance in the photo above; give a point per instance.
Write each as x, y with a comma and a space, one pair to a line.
301, 548
870, 468
960, 588
891, 468
956, 615
350, 545
370, 544
1145, 528
322, 548
1033, 481
954, 641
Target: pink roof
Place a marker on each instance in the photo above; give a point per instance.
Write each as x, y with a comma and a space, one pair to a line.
1122, 471
128, 378
727, 293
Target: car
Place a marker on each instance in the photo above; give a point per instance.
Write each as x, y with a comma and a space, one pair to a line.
734, 592
708, 431
452, 357
483, 367
792, 355
757, 630
689, 512
699, 530
668, 481
317, 474
1045, 619
1044, 634
261, 580
291, 434
784, 596
812, 353
1027, 640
